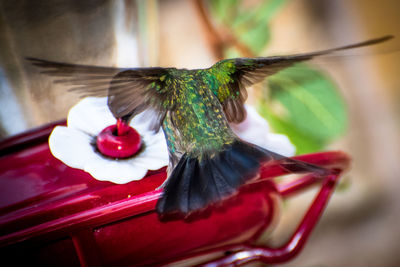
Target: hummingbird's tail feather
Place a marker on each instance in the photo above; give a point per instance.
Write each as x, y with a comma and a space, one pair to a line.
195, 182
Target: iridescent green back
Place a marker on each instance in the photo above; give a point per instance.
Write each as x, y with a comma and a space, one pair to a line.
198, 124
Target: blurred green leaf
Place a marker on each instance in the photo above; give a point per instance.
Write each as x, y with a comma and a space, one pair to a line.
224, 10
304, 144
243, 18
256, 38
312, 107
249, 25
268, 9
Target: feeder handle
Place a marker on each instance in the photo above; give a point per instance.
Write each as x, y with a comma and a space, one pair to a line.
337, 161
248, 253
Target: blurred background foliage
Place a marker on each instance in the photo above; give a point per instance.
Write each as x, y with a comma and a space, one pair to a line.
301, 101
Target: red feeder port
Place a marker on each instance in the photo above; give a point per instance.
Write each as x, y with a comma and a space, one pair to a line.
116, 143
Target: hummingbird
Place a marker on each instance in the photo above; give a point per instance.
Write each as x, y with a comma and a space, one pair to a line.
207, 161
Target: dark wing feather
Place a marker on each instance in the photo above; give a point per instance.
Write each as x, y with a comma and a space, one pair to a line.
245, 72
129, 91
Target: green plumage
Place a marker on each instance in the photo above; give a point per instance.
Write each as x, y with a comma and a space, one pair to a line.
197, 125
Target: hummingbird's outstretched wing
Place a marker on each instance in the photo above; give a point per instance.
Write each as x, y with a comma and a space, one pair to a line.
129, 91
244, 72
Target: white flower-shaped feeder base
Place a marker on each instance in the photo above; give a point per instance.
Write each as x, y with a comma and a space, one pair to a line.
75, 145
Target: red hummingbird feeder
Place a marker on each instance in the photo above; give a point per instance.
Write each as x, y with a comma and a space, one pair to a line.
54, 215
